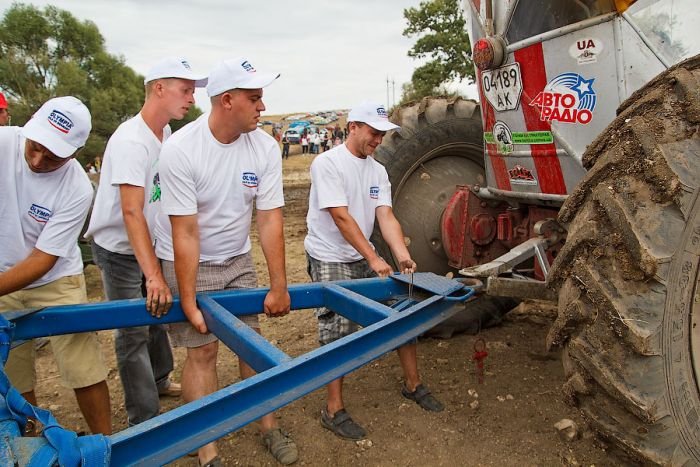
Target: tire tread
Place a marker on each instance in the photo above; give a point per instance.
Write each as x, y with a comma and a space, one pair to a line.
627, 218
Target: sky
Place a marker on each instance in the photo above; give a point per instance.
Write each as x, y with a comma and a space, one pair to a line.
331, 54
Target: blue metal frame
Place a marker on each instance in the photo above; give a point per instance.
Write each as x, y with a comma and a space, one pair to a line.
280, 379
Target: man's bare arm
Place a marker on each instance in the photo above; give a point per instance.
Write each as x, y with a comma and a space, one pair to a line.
271, 229
393, 236
158, 296
351, 232
186, 247
30, 269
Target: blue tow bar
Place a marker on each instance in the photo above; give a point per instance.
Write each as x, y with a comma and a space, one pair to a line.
280, 379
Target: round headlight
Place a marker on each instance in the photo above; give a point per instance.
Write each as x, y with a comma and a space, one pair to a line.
488, 53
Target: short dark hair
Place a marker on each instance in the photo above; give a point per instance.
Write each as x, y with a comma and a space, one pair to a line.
347, 125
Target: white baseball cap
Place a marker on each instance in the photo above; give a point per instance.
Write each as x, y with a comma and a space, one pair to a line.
237, 73
62, 125
372, 114
175, 67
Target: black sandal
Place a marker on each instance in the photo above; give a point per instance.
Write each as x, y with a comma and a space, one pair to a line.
423, 397
215, 462
342, 425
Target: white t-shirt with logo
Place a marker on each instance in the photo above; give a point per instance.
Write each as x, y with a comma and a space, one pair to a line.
40, 210
338, 178
217, 182
131, 158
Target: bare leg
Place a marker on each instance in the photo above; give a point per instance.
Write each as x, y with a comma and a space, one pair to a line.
267, 422
94, 404
334, 401
278, 443
409, 364
199, 378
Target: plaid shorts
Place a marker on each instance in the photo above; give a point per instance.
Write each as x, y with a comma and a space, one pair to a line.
234, 273
332, 326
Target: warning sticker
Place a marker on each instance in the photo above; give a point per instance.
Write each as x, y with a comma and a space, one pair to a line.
504, 138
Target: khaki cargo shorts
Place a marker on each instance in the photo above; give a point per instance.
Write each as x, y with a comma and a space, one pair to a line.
237, 272
78, 356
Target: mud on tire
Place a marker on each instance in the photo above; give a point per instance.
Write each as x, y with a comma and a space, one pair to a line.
627, 276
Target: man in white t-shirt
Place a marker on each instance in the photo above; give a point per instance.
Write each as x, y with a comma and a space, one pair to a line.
45, 196
317, 143
121, 228
349, 189
304, 141
212, 171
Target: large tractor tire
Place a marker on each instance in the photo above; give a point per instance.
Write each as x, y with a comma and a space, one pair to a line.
440, 146
629, 302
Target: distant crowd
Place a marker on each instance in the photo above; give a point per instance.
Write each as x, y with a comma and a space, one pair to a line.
316, 142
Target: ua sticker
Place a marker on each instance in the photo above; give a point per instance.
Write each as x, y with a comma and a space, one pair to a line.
374, 192
568, 98
250, 179
586, 50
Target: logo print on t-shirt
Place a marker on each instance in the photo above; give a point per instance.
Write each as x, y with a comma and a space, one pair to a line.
250, 179
374, 192
155, 189
39, 213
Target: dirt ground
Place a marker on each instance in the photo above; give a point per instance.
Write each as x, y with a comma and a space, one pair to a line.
512, 424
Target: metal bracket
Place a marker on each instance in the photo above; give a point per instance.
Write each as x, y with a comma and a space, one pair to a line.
507, 262
548, 234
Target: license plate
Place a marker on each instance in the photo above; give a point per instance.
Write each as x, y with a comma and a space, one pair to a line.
503, 87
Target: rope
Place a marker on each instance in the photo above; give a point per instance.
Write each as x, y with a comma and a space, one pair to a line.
64, 446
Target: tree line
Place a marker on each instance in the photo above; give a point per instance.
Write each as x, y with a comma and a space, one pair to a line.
49, 52
440, 29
